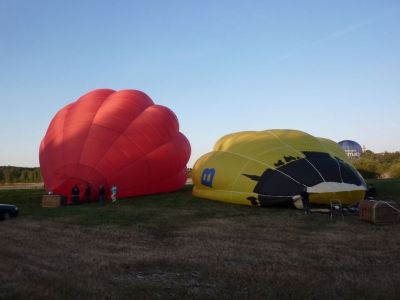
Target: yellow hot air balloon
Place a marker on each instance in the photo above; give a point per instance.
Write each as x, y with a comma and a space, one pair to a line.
271, 167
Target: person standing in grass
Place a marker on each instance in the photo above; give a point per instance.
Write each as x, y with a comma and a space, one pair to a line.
102, 195
75, 194
114, 191
88, 193
370, 193
305, 199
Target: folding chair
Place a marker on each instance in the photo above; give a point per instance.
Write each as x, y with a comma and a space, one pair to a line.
336, 209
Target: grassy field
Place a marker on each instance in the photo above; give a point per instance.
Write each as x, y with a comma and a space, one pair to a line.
174, 246
388, 189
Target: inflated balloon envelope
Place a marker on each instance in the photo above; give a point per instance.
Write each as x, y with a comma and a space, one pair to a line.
111, 137
271, 167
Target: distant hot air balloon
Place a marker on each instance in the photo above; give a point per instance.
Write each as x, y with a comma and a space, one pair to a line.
352, 148
111, 137
271, 167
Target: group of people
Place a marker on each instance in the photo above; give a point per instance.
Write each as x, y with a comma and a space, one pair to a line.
75, 194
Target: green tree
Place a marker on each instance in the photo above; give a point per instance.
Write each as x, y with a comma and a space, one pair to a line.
7, 175
368, 168
10, 174
189, 172
394, 170
372, 165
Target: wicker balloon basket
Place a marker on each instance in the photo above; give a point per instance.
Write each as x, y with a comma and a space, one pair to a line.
379, 212
53, 201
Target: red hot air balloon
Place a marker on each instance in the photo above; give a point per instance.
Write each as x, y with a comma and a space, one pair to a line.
110, 137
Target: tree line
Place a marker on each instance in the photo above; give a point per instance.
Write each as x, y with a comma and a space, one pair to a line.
378, 165
370, 165
10, 174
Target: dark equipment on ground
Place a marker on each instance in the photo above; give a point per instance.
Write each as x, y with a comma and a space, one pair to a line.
336, 209
8, 211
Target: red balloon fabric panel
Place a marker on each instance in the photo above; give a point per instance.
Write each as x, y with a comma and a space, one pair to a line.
110, 137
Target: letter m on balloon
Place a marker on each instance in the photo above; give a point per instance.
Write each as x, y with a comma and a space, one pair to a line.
207, 176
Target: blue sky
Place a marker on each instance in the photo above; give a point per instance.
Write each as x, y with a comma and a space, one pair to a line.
330, 68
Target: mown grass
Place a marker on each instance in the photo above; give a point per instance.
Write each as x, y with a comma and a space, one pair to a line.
162, 211
174, 246
168, 209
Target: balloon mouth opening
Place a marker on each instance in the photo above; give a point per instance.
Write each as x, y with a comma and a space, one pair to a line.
335, 187
83, 177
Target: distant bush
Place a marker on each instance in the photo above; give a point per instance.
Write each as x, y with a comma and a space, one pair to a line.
189, 173
368, 168
394, 170
375, 165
